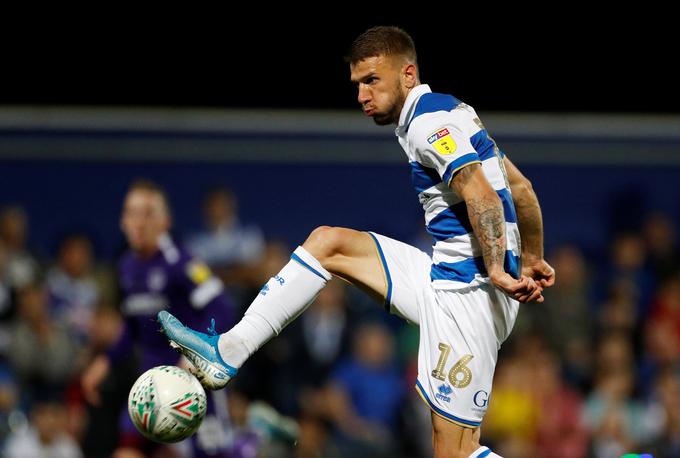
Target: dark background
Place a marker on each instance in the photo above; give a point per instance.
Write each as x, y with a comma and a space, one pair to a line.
565, 59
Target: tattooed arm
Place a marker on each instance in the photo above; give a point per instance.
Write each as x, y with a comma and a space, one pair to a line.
530, 222
485, 211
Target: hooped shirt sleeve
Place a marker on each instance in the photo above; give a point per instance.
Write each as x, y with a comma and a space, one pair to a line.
436, 142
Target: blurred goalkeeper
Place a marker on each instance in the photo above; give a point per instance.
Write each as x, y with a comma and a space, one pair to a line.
465, 298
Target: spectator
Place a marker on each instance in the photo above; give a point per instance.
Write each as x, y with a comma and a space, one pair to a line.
321, 339
315, 439
226, 245
612, 416
628, 265
41, 351
666, 305
511, 423
614, 420
310, 348
565, 315
6, 305
618, 313
660, 238
560, 430
614, 353
272, 358
100, 435
21, 267
8, 400
73, 292
662, 351
664, 415
45, 437
365, 394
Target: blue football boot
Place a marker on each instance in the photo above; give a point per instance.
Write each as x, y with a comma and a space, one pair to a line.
200, 349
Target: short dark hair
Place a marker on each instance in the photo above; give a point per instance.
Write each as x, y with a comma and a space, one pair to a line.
382, 40
144, 184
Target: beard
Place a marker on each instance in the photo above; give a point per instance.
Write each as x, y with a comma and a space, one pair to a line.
391, 116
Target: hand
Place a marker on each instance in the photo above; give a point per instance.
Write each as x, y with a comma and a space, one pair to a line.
523, 290
92, 378
540, 271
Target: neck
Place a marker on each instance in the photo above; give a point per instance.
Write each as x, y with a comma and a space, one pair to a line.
147, 252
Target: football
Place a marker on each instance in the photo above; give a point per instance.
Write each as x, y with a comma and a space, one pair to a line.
167, 404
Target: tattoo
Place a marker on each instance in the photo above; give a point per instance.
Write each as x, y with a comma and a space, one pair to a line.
488, 222
485, 211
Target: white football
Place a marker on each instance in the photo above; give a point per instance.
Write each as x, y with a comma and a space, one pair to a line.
167, 404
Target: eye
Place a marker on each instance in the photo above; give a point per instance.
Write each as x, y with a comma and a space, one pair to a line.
371, 80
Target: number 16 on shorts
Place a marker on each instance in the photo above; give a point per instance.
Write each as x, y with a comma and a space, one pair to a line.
459, 376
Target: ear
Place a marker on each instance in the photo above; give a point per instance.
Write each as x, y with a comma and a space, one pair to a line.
409, 76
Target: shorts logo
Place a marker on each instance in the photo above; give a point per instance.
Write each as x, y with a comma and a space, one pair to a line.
444, 392
442, 142
481, 398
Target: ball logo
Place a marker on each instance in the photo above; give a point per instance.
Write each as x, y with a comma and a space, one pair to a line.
481, 398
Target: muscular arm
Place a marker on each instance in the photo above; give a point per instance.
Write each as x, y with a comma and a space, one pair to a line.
529, 218
485, 211
530, 222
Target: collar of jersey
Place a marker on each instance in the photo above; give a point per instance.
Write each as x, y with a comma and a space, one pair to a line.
409, 107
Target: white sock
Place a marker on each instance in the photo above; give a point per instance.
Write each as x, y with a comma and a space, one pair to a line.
280, 301
484, 452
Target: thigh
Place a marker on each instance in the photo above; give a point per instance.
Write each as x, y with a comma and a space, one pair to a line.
407, 272
392, 272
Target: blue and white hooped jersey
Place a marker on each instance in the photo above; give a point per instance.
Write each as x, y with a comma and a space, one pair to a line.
440, 135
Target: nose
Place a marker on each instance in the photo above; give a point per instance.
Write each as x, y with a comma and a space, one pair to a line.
364, 94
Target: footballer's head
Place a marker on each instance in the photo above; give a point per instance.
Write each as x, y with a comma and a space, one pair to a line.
384, 68
146, 216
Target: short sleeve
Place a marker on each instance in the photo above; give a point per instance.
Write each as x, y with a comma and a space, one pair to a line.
443, 146
202, 285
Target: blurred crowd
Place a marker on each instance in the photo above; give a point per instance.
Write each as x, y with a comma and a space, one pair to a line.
594, 371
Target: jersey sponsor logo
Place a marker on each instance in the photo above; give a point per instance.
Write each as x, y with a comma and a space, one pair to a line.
442, 142
481, 398
444, 392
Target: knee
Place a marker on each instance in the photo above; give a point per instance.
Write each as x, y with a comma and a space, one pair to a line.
325, 242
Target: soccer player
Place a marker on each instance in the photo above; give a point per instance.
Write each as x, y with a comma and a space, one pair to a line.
465, 297
155, 274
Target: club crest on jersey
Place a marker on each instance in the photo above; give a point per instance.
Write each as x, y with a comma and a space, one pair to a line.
442, 141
